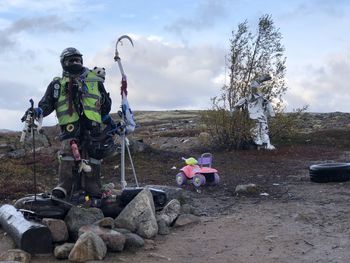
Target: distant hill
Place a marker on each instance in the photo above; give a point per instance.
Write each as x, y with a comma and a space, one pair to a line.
6, 131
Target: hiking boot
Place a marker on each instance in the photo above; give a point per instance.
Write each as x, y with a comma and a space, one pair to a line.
59, 192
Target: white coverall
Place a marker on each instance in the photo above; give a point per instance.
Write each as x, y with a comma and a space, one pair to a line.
259, 109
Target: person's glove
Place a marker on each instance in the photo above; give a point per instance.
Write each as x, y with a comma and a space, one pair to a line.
36, 113
111, 127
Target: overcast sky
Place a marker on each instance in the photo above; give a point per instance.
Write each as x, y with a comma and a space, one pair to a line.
179, 54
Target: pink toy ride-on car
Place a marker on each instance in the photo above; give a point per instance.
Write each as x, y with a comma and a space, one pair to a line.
198, 172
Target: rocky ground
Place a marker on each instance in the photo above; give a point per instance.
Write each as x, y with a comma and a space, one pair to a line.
287, 219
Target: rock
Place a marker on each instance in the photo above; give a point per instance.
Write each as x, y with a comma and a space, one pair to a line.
204, 139
186, 209
15, 255
88, 247
78, 217
304, 217
137, 146
5, 148
246, 189
158, 256
186, 219
41, 140
139, 215
114, 240
57, 228
62, 251
6, 241
107, 222
170, 212
16, 154
45, 150
133, 241
122, 230
167, 146
163, 227
172, 192
150, 245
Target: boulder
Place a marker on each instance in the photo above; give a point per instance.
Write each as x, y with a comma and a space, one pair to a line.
78, 217
163, 227
88, 247
62, 251
170, 212
246, 189
172, 192
133, 241
57, 228
107, 222
139, 215
186, 219
114, 240
15, 255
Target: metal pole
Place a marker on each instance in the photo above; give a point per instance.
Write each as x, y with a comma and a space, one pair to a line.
123, 136
34, 161
32, 129
122, 162
132, 166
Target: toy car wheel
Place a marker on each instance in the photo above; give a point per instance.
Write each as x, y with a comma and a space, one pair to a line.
198, 180
216, 179
180, 179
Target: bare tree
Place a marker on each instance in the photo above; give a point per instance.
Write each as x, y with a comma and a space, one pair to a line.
251, 55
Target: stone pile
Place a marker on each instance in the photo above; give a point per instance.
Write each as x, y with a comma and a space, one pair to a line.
86, 235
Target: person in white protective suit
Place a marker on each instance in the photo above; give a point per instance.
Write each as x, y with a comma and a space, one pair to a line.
259, 109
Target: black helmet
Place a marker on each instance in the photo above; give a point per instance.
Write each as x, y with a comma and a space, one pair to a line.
71, 60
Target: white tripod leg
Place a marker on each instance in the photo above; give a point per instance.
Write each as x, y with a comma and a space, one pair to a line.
122, 163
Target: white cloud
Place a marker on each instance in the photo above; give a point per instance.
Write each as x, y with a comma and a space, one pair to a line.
44, 6
324, 88
163, 76
204, 16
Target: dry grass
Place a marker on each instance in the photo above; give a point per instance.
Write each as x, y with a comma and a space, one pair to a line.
154, 166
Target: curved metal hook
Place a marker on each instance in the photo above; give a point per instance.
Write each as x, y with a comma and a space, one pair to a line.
116, 57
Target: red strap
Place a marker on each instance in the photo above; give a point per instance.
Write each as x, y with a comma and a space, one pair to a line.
123, 88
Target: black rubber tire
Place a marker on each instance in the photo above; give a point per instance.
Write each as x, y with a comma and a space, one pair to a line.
43, 206
329, 172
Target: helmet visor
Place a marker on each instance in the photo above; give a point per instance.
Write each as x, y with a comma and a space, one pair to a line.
73, 60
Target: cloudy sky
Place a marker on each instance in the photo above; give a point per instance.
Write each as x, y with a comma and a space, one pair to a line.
179, 54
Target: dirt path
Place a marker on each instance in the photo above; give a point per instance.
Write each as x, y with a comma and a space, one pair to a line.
310, 224
299, 221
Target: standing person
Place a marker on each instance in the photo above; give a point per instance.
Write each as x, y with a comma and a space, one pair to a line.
82, 107
259, 109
